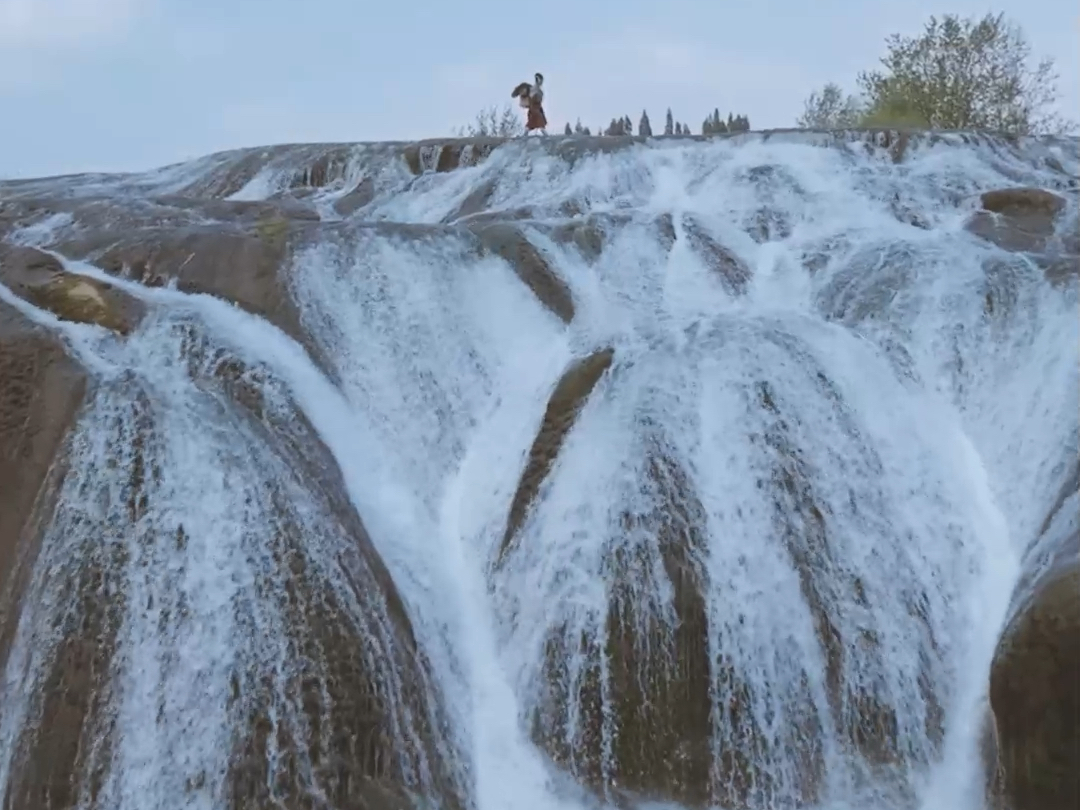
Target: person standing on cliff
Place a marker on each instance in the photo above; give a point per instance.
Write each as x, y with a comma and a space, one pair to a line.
531, 97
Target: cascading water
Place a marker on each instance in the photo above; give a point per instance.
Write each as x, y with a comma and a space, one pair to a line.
767, 557
189, 567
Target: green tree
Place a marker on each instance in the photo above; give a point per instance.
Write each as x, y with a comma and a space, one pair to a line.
713, 124
963, 74
831, 109
619, 127
740, 123
644, 128
895, 111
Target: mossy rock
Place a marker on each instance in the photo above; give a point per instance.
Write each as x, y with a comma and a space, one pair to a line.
40, 279
274, 231
75, 299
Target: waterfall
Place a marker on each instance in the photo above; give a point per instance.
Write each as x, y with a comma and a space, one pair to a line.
735, 524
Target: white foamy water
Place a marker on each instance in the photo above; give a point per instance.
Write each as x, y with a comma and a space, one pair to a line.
927, 436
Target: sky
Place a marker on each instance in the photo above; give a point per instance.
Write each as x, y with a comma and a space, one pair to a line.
124, 85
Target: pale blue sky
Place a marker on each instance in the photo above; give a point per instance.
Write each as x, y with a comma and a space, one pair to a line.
131, 84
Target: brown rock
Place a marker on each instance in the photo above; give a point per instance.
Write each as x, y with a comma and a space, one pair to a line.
356, 199
906, 213
242, 259
357, 759
730, 269
1060, 268
867, 282
244, 267
818, 257
474, 206
1003, 278
870, 727
235, 171
415, 159
67, 752
365, 744
657, 697
370, 727
464, 153
234, 212
993, 777
446, 155
769, 222
658, 687
587, 235
478, 216
41, 279
65, 755
324, 170
1017, 219
530, 266
648, 687
897, 144
41, 391
1024, 220
1034, 688
1022, 202
566, 402
11, 217
40, 395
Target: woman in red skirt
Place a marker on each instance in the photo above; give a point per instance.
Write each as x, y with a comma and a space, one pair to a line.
531, 97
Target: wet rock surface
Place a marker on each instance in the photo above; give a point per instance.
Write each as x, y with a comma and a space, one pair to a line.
732, 272
1035, 672
633, 708
650, 679
41, 390
366, 693
240, 267
530, 265
566, 402
587, 235
363, 688
1030, 221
